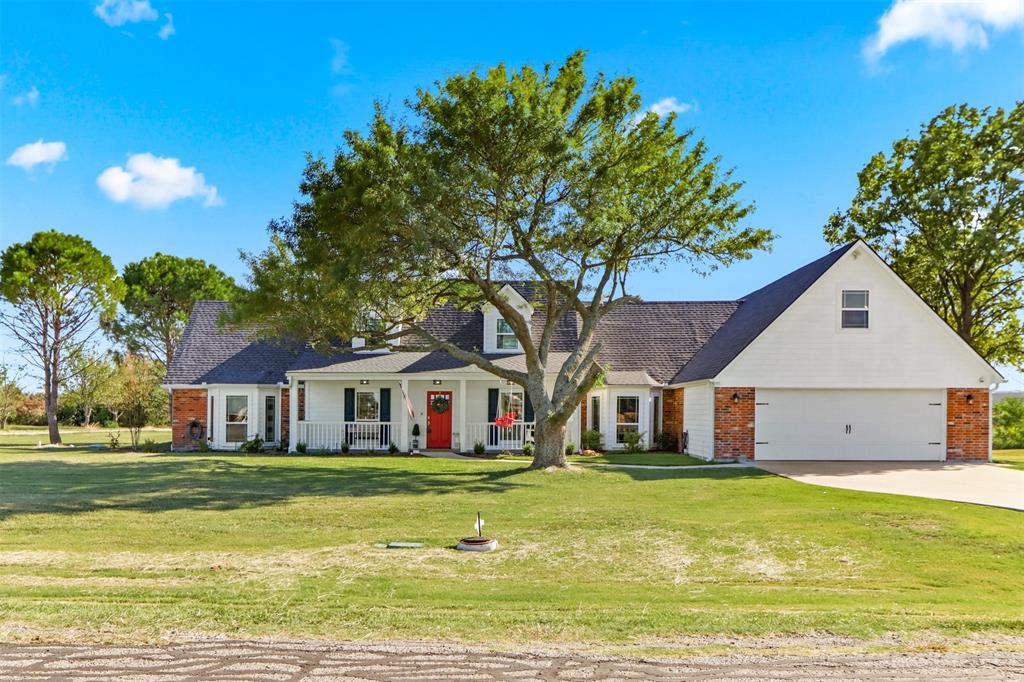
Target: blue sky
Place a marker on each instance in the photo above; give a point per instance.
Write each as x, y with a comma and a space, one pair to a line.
795, 97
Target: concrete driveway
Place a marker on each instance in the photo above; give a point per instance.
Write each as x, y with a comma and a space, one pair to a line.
987, 484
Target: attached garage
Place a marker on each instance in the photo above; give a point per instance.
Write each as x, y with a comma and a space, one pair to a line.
850, 424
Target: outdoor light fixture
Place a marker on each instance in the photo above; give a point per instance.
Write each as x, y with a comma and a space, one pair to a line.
437, 382
970, 398
735, 397
364, 382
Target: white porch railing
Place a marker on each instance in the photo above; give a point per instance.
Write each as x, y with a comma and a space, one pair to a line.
319, 435
496, 437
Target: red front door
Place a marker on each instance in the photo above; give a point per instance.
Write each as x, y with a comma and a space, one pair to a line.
439, 419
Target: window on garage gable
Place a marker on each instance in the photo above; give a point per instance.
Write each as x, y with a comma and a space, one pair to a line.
855, 309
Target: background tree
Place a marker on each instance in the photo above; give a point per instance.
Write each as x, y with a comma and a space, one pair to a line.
527, 175
11, 394
1008, 420
138, 394
946, 211
58, 287
90, 382
160, 293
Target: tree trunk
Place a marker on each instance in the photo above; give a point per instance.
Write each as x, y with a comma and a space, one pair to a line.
87, 413
50, 398
549, 441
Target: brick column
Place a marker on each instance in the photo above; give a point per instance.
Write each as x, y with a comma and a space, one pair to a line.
187, 405
672, 401
734, 423
967, 424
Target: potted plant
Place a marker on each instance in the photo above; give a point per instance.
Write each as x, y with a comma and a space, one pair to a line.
415, 437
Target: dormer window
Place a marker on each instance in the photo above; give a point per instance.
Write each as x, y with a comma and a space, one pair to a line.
505, 338
855, 309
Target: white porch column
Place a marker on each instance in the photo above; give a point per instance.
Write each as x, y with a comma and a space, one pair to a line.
463, 399
293, 413
403, 434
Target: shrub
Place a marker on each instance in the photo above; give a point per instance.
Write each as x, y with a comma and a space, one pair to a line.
300, 448
591, 440
1008, 424
570, 449
114, 439
150, 445
479, 447
345, 448
666, 441
392, 449
252, 446
529, 448
631, 440
110, 424
201, 445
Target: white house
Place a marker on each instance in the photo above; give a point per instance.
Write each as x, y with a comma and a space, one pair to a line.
840, 359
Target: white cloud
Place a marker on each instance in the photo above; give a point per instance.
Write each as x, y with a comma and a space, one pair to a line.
28, 156
670, 105
30, 98
167, 30
155, 182
959, 24
120, 12
339, 62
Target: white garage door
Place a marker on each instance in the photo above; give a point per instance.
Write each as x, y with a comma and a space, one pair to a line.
850, 424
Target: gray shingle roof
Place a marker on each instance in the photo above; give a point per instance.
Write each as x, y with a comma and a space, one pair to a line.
211, 354
659, 341
756, 311
659, 337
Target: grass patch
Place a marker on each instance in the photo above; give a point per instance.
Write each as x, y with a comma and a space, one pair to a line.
80, 436
649, 458
1011, 458
135, 546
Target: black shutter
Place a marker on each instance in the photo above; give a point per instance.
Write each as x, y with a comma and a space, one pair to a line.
350, 412
385, 415
492, 413
527, 409
350, 404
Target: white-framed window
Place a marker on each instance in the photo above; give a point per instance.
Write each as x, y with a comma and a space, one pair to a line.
855, 309
595, 413
656, 415
236, 408
270, 419
505, 338
367, 406
627, 416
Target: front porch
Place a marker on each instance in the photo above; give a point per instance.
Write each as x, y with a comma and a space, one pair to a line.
333, 412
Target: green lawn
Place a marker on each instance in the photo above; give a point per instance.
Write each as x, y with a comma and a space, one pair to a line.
128, 546
78, 436
657, 458
1012, 458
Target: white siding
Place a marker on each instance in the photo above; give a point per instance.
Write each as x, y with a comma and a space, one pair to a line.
907, 345
491, 317
699, 419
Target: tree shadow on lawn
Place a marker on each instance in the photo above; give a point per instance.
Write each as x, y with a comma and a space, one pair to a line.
157, 484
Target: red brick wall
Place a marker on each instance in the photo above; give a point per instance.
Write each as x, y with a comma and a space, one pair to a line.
734, 423
672, 414
967, 424
187, 404
285, 410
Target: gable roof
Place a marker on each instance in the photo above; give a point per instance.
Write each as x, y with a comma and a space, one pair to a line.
755, 312
210, 354
657, 342
658, 337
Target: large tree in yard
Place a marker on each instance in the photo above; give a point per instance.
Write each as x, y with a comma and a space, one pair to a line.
946, 210
58, 288
498, 176
160, 293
